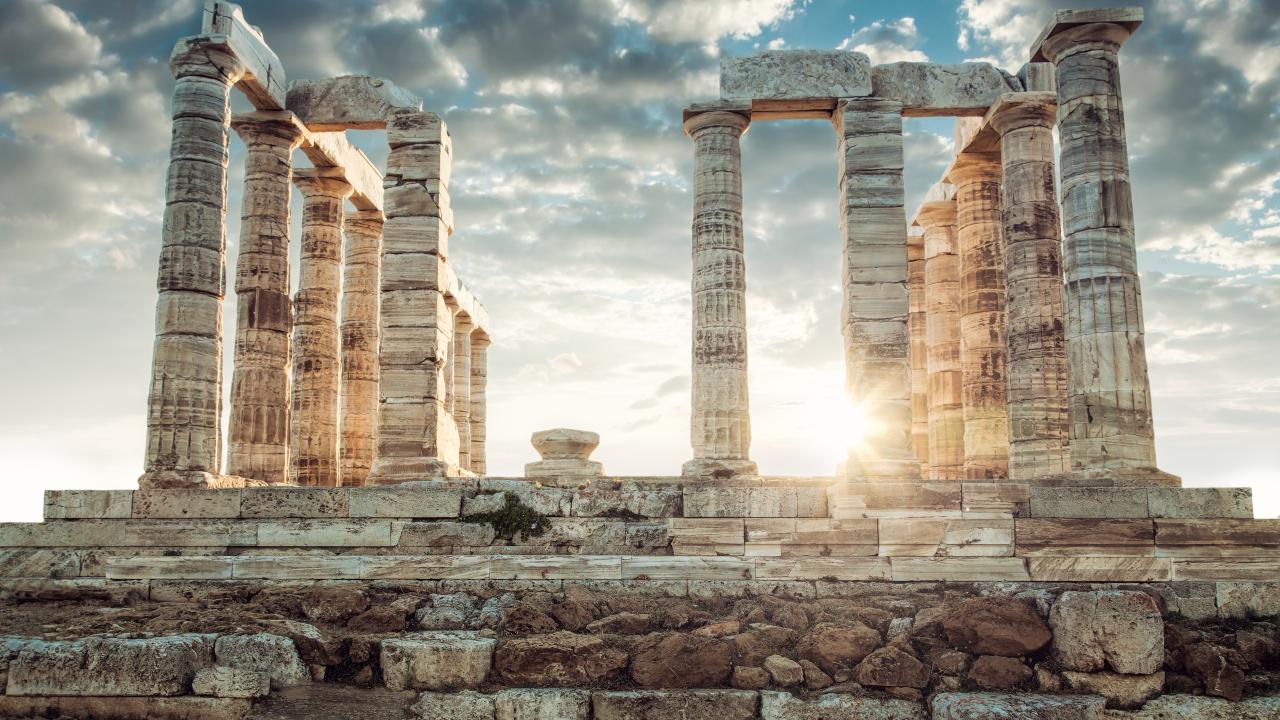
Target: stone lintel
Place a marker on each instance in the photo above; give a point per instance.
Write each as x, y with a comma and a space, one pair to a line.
807, 79
932, 89
1128, 18
348, 102
460, 297
264, 80
1040, 104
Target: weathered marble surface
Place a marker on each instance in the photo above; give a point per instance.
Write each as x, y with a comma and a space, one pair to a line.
937, 216
917, 321
564, 452
359, 402
479, 401
348, 102
796, 75
460, 385
929, 89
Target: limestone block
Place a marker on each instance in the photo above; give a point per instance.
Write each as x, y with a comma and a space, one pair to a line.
271, 654
995, 500
1227, 569
674, 705
406, 500
604, 501
348, 102
1024, 706
685, 568
126, 708
1088, 502
1198, 707
1100, 569
1043, 536
436, 661
929, 537
927, 89
1119, 629
1121, 691
542, 704
264, 79
1218, 532
706, 531
960, 569
186, 503
1245, 600
709, 502
555, 567
293, 502
231, 682
99, 504
321, 532
822, 568
837, 706
465, 705
186, 568
106, 666
796, 75
124, 533
555, 502
426, 567
1200, 502
39, 563
445, 534
409, 128
298, 567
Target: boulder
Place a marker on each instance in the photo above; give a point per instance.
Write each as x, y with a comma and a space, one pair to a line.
1003, 626
837, 706
334, 604
230, 682
994, 672
560, 659
674, 705
1219, 669
314, 646
814, 677
436, 661
272, 654
440, 618
541, 704
748, 677
381, 619
110, 666
1195, 707
1119, 629
525, 619
465, 705
675, 660
990, 706
790, 615
761, 641
838, 648
891, 667
785, 672
1121, 691
623, 623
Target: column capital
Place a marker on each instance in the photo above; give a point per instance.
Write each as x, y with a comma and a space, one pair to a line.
973, 165
322, 181
1079, 38
730, 114
1012, 111
206, 56
480, 338
938, 206
279, 128
1071, 21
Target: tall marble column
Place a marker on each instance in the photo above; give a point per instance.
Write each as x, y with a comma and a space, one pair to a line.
916, 325
721, 421
982, 314
937, 215
358, 406
258, 435
184, 403
1109, 394
314, 434
479, 403
462, 328
1037, 358
873, 226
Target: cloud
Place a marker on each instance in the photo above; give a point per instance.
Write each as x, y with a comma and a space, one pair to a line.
886, 42
43, 45
683, 21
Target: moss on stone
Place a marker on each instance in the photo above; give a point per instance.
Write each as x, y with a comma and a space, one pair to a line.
514, 517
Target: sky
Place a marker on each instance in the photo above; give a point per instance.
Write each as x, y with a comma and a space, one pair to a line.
571, 192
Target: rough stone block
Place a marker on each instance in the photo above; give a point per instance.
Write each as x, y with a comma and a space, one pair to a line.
837, 706
706, 531
40, 563
1227, 569
1091, 502
426, 567
436, 661
186, 568
674, 705
1119, 629
97, 504
348, 102
796, 75
445, 534
465, 705
110, 666
927, 89
1218, 532
605, 502
1044, 536
985, 706
1247, 600
542, 704
297, 567
1200, 502
293, 502
556, 567
1100, 569
685, 568
271, 654
1121, 691
126, 708
407, 500
324, 533
822, 568
959, 569
178, 504
230, 682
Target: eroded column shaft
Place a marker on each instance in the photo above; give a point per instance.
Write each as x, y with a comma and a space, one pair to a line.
462, 328
316, 370
916, 326
359, 395
942, 331
479, 402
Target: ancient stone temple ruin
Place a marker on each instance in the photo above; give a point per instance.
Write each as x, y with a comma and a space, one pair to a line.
1002, 545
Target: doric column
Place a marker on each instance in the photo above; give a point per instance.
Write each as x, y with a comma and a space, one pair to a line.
982, 318
937, 215
358, 407
184, 404
1109, 394
874, 228
314, 434
258, 435
916, 322
721, 421
479, 406
462, 386
1037, 358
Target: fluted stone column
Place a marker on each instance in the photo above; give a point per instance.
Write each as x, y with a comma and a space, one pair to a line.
721, 422
184, 403
479, 403
316, 373
1109, 394
358, 406
462, 328
874, 230
258, 435
1037, 358
916, 325
942, 333
982, 314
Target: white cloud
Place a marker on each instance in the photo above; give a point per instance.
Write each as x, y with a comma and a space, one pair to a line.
685, 21
886, 42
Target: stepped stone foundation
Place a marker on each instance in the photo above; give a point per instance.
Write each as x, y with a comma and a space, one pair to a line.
1002, 547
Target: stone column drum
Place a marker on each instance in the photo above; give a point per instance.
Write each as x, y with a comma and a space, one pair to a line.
982, 315
942, 330
479, 404
916, 323
461, 397
184, 403
874, 228
1109, 394
358, 406
258, 435
721, 422
1037, 359
316, 372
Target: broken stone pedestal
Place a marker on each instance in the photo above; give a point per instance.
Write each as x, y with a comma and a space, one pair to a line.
564, 452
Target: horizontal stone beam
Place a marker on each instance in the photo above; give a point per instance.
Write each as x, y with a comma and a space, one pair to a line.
795, 83
333, 150
264, 81
348, 102
464, 299
931, 89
